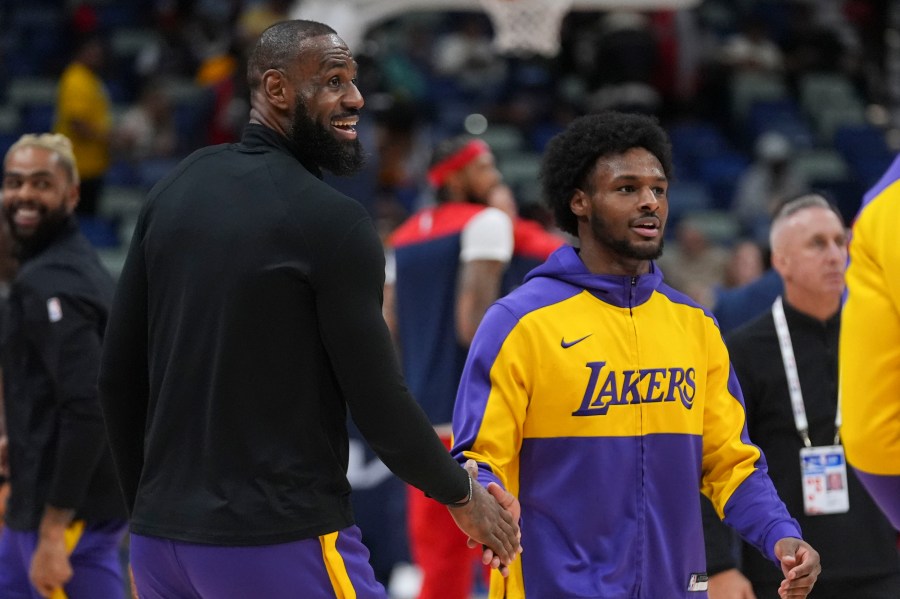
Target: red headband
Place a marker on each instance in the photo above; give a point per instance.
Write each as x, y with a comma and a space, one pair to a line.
438, 174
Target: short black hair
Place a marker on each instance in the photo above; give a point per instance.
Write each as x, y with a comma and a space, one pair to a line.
278, 45
572, 154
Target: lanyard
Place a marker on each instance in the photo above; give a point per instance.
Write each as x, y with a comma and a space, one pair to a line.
793, 379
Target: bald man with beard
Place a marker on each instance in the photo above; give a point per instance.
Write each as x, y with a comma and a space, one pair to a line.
247, 322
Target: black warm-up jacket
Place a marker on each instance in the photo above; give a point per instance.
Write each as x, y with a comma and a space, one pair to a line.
52, 334
247, 320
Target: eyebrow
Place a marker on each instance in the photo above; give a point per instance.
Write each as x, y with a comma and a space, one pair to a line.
637, 178
332, 62
38, 173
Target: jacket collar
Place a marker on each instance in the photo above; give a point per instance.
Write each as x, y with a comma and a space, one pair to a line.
256, 136
620, 290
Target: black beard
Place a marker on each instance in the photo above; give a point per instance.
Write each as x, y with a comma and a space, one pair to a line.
321, 147
52, 222
474, 199
621, 246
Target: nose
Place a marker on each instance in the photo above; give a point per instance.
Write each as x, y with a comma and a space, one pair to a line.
837, 251
353, 98
648, 199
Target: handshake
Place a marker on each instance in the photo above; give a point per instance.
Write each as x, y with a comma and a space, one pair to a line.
490, 517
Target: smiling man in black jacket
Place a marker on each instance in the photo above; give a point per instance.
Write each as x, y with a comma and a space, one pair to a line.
66, 516
246, 322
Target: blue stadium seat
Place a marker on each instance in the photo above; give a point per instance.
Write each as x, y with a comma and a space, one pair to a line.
10, 119
687, 197
6, 140
20, 62
38, 118
865, 150
819, 91
783, 116
821, 165
868, 173
542, 133
122, 173
720, 173
519, 167
117, 15
33, 16
692, 143
748, 87
862, 144
503, 139
31, 90
101, 231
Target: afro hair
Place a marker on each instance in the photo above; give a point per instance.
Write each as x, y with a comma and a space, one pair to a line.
572, 154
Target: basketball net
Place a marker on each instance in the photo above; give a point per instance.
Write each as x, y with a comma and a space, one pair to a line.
527, 26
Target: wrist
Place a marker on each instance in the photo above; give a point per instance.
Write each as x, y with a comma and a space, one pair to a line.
52, 533
54, 523
464, 502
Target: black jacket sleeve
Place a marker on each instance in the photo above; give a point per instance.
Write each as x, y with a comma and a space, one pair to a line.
65, 331
124, 379
349, 288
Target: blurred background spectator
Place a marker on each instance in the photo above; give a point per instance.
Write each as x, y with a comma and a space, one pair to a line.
746, 263
752, 48
146, 130
720, 75
693, 264
765, 183
84, 115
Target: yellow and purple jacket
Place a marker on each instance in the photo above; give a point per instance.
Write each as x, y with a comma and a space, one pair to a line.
870, 346
605, 403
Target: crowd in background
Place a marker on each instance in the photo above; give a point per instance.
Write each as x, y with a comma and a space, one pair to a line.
719, 76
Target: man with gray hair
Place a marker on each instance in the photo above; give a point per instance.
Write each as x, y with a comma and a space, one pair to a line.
786, 363
66, 514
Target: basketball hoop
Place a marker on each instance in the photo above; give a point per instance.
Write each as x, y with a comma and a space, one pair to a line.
527, 26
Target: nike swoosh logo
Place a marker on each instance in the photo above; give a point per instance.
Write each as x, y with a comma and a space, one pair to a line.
567, 345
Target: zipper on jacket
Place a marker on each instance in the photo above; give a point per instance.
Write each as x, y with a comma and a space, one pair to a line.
640, 572
631, 295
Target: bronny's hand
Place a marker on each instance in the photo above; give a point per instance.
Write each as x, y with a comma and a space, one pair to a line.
488, 523
730, 584
800, 565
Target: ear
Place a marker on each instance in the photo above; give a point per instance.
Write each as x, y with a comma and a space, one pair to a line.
781, 264
72, 197
579, 204
276, 88
455, 185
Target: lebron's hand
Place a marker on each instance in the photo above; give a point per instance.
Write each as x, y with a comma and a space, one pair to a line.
508, 502
489, 523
